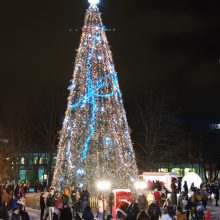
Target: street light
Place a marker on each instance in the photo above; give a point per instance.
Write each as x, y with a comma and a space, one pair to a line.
103, 186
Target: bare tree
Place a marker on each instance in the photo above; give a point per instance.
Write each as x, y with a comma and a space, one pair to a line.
158, 137
47, 129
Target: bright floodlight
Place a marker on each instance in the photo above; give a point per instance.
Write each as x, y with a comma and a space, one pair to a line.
103, 185
190, 178
140, 185
94, 2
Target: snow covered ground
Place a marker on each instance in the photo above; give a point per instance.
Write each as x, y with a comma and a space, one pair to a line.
35, 214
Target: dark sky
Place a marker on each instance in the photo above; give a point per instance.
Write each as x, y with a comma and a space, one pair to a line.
164, 44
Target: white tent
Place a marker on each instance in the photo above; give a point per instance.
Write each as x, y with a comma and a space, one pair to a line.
190, 178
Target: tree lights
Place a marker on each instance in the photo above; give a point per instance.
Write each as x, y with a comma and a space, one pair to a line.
95, 141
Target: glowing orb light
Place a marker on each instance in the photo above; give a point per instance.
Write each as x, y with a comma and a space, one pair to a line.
94, 2
190, 178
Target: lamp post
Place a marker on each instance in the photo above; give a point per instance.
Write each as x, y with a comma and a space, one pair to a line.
103, 186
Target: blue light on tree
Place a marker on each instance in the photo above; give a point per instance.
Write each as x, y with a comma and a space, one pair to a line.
108, 141
80, 171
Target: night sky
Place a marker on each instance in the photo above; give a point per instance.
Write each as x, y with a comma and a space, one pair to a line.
167, 45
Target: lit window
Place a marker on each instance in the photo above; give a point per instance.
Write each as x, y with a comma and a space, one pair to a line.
22, 160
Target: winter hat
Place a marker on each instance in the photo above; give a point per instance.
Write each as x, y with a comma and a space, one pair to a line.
122, 208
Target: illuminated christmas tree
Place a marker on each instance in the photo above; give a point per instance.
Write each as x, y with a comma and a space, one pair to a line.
94, 141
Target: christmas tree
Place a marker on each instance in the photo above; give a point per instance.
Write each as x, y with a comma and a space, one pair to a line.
95, 141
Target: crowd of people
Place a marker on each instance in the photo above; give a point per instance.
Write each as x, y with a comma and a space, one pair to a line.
66, 206
12, 201
157, 203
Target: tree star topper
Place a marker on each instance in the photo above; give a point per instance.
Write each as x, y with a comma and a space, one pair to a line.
93, 2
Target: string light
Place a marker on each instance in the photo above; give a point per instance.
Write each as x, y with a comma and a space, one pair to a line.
94, 140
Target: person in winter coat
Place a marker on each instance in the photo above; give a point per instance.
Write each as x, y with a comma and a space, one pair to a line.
204, 195
4, 212
185, 188
154, 211
24, 215
77, 200
15, 215
165, 205
192, 206
180, 214
132, 215
102, 206
200, 211
50, 203
185, 206
143, 216
84, 199
122, 209
216, 193
157, 196
42, 206
78, 217
142, 201
170, 214
87, 213
173, 194
66, 213
5, 197
163, 196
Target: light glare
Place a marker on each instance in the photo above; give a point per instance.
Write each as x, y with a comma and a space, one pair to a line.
94, 2
140, 185
103, 185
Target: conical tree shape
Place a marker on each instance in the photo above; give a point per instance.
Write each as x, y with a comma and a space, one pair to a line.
94, 141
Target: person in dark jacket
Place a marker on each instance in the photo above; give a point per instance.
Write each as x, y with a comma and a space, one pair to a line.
153, 211
185, 188
77, 217
15, 215
143, 216
66, 213
42, 206
4, 212
87, 213
50, 203
216, 192
84, 198
132, 215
